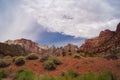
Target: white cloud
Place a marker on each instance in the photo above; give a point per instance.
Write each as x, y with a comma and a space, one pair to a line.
15, 23
79, 18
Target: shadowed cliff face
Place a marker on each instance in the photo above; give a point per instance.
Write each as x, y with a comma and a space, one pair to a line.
12, 50
107, 42
118, 28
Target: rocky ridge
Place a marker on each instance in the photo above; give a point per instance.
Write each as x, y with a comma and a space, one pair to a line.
108, 42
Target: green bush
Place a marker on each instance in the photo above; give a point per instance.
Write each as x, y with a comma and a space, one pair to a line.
20, 61
76, 56
32, 57
49, 65
50, 62
63, 54
4, 63
44, 58
55, 60
70, 73
118, 55
3, 74
24, 75
13, 59
108, 57
7, 57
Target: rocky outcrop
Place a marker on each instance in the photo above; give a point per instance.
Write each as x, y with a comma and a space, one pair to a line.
12, 50
28, 45
68, 49
107, 42
118, 28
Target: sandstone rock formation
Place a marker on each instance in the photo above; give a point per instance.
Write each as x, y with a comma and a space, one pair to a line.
107, 42
28, 45
11, 50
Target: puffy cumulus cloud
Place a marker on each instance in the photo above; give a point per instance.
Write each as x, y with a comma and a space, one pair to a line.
14, 22
78, 18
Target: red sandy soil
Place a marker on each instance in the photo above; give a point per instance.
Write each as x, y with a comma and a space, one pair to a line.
83, 65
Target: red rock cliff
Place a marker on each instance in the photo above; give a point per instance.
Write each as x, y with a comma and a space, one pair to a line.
107, 42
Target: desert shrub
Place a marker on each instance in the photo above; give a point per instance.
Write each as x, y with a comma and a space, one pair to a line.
63, 54
24, 75
70, 74
47, 77
69, 50
76, 56
49, 65
3, 74
32, 57
13, 59
19, 61
4, 63
50, 62
7, 57
118, 55
108, 57
44, 58
69, 53
88, 54
78, 51
55, 60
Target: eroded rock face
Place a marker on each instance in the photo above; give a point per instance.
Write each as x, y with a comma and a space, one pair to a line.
118, 28
71, 48
107, 42
28, 45
11, 50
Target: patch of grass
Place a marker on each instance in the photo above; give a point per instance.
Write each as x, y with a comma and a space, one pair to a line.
24, 75
69, 75
3, 74
77, 56
106, 75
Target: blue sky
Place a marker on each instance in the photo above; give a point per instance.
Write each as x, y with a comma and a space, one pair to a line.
57, 22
